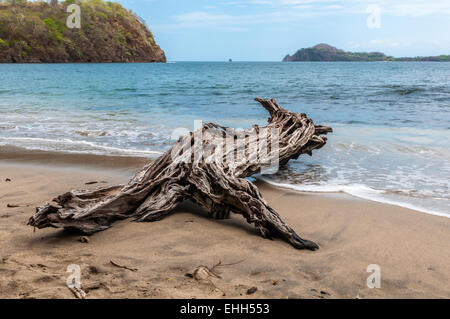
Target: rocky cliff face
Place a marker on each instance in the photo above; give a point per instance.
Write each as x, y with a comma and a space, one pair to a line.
35, 32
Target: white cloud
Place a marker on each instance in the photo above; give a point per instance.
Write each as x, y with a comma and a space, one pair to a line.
287, 11
202, 17
387, 44
395, 7
234, 22
384, 43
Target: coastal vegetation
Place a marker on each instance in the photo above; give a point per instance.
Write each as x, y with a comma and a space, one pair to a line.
325, 52
38, 32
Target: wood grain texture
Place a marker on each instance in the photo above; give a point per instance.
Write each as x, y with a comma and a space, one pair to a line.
207, 166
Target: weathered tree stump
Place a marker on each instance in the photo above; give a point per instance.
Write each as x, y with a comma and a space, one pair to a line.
207, 166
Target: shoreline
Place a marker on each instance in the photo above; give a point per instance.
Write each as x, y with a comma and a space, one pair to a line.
409, 246
18, 155
367, 198
127, 163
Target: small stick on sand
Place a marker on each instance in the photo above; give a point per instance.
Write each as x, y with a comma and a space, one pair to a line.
78, 293
204, 272
123, 267
16, 205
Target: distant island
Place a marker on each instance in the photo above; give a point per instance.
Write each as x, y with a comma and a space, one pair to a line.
37, 32
325, 52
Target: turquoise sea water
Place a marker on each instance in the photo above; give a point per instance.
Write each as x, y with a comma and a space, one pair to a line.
391, 120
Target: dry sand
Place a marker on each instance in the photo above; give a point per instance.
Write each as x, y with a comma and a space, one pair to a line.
411, 248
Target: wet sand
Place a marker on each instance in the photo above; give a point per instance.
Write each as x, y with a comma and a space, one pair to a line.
411, 248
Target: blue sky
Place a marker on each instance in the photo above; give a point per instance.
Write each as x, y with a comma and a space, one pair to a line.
267, 30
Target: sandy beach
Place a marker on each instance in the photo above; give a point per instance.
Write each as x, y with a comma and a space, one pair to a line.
412, 248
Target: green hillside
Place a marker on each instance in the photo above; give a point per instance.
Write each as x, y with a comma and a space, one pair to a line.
325, 52
37, 32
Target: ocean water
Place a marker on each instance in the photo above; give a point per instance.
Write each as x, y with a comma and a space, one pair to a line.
391, 140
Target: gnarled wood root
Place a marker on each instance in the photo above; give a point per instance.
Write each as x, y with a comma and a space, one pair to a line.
211, 180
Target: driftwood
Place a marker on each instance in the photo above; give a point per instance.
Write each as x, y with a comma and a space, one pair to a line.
123, 267
215, 179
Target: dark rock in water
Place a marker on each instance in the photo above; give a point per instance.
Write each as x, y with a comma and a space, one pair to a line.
108, 33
